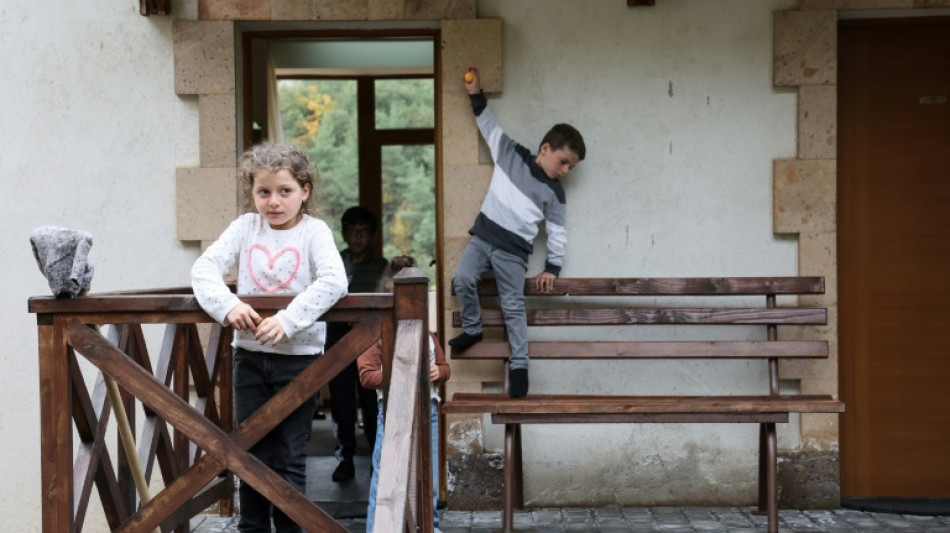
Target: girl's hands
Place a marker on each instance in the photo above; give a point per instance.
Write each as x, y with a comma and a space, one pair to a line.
433, 373
243, 316
269, 330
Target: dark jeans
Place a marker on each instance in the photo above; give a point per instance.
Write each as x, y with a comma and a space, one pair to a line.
258, 376
344, 389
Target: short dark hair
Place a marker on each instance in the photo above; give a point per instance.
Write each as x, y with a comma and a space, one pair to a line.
359, 215
565, 135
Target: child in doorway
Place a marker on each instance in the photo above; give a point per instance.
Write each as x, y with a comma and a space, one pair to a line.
279, 249
525, 190
363, 269
371, 376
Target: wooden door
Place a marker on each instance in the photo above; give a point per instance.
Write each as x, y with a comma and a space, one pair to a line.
894, 257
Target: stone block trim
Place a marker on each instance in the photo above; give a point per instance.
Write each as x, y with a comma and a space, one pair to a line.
460, 135
350, 10
438, 9
805, 48
340, 10
855, 4
386, 10
206, 201
234, 9
217, 133
466, 186
291, 9
804, 195
468, 43
204, 57
818, 122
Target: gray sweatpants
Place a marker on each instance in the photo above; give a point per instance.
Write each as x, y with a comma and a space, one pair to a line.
510, 271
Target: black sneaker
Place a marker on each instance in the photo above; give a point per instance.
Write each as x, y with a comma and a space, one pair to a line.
464, 340
344, 471
517, 382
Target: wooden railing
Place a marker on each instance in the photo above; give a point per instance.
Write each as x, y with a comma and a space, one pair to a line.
194, 442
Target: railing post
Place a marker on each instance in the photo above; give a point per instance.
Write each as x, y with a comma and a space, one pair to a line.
411, 302
56, 439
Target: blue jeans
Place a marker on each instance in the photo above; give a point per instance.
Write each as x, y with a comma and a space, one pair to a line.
377, 456
258, 376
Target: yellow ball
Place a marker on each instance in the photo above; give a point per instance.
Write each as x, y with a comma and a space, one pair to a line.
469, 77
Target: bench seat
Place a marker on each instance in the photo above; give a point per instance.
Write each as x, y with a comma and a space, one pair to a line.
560, 309
556, 404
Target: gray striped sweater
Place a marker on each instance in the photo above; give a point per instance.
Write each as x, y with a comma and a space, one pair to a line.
519, 198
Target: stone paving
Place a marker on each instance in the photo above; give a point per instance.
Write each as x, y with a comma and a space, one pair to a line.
663, 519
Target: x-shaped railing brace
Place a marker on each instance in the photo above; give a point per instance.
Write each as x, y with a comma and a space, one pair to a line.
223, 450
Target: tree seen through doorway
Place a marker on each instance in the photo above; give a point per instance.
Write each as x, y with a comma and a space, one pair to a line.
321, 116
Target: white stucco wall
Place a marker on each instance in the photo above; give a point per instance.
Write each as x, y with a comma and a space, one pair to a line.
681, 123
82, 146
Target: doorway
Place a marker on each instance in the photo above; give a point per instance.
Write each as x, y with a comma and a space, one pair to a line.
363, 105
894, 255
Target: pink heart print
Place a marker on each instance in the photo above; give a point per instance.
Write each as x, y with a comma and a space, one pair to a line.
272, 260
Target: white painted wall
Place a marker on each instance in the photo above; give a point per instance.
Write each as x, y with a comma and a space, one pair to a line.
682, 124
92, 133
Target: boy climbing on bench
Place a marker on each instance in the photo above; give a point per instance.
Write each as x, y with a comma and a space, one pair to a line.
525, 190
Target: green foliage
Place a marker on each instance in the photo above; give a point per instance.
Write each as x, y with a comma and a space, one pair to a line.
405, 103
321, 116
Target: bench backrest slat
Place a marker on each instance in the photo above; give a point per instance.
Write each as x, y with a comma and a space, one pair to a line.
625, 316
653, 350
673, 286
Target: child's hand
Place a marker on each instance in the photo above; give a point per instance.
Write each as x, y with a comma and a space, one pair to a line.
269, 330
243, 316
472, 81
544, 281
433, 373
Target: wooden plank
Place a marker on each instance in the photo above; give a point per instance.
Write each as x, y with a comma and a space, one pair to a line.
660, 316
637, 418
401, 413
671, 286
217, 444
266, 418
56, 437
180, 303
93, 464
501, 403
652, 350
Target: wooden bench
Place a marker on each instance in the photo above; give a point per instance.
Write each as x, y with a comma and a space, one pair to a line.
561, 308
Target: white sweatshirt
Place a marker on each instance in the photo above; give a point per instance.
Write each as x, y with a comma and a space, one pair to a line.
302, 261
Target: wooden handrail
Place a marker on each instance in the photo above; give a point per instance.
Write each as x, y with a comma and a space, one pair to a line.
193, 440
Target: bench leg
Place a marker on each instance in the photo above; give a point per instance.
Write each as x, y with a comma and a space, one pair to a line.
763, 469
514, 488
768, 474
518, 481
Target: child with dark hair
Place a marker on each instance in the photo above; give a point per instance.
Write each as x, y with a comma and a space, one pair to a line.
363, 270
525, 191
279, 249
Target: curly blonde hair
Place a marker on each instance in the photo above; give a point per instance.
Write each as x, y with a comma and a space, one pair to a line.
273, 157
